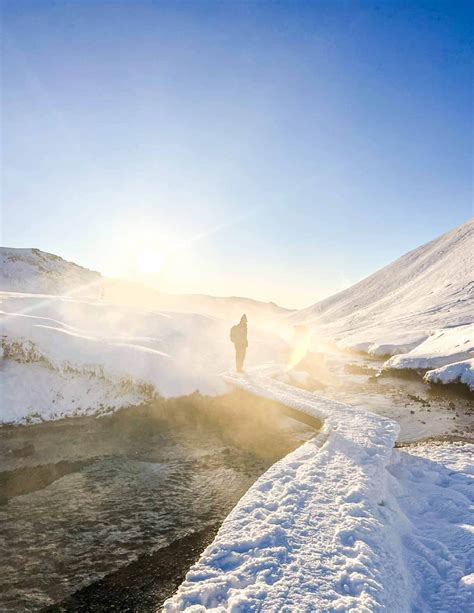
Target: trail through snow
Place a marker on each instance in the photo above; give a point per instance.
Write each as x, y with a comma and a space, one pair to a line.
344, 523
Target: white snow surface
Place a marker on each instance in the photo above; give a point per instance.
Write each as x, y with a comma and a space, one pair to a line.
142, 352
429, 288
446, 353
418, 306
442, 347
34, 392
32, 270
459, 372
344, 523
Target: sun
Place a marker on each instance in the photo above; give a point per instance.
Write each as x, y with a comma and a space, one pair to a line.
149, 262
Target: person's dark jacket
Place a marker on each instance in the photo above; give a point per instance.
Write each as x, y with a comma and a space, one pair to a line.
238, 334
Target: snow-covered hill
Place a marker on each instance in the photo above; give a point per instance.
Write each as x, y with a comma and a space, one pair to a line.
34, 271
430, 287
425, 292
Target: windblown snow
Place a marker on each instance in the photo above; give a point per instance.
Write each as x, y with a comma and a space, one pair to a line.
94, 344
344, 523
138, 353
419, 309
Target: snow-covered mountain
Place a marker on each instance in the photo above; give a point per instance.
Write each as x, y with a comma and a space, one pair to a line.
430, 287
34, 271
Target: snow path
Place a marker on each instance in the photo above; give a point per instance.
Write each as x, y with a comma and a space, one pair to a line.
340, 524
435, 495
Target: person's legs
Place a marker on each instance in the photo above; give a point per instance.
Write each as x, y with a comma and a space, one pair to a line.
239, 357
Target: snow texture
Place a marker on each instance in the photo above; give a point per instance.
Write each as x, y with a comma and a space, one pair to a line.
344, 523
142, 352
32, 392
420, 306
441, 348
459, 372
32, 270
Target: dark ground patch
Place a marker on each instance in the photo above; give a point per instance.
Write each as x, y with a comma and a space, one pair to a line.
142, 585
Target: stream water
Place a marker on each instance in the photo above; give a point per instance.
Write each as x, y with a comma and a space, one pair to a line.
93, 510
84, 497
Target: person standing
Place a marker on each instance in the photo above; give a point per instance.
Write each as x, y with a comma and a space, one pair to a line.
238, 335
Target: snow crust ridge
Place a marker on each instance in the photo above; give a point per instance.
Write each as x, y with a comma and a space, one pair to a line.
312, 533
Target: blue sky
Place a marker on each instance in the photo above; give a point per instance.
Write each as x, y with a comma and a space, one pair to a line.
279, 150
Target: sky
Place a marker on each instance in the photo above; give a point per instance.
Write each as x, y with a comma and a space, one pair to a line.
276, 150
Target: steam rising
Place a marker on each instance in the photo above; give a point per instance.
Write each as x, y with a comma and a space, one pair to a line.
300, 346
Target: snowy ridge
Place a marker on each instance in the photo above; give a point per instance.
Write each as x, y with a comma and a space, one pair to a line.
429, 287
32, 270
338, 525
405, 309
38, 272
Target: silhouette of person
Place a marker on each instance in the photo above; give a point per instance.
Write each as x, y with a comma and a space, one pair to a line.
238, 335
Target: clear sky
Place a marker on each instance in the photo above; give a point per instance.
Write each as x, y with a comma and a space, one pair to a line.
278, 150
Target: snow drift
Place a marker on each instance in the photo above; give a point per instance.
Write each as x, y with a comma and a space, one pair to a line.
442, 347
459, 372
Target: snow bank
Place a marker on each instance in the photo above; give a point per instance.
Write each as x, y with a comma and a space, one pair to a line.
340, 525
443, 347
33, 392
309, 535
459, 372
136, 350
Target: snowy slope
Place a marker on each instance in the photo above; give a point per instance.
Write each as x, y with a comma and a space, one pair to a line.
34, 271
135, 352
344, 523
429, 288
418, 309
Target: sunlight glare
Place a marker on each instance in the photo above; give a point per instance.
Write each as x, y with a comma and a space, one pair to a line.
300, 346
149, 262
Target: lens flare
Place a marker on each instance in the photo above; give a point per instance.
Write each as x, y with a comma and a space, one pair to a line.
300, 346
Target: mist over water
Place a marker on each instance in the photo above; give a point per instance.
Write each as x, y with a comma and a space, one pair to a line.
84, 497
